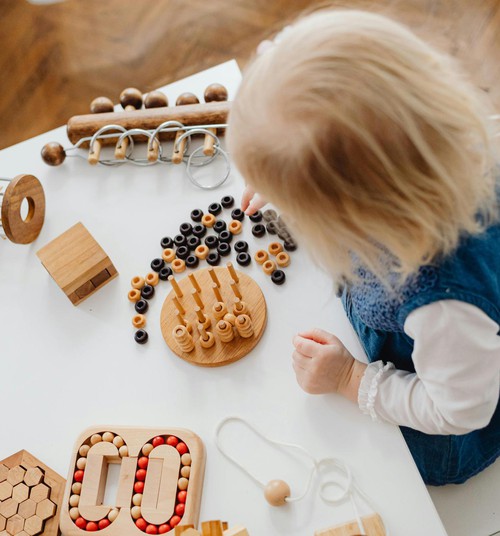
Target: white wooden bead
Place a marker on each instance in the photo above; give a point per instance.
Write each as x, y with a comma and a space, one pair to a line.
123, 451
96, 438
76, 488
147, 448
84, 450
182, 483
186, 471
135, 512
74, 513
74, 500
118, 442
113, 514
108, 437
137, 499
186, 459
81, 463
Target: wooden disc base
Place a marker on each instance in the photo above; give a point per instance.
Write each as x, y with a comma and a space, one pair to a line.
220, 353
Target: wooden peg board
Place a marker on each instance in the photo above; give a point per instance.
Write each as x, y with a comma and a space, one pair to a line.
373, 524
164, 499
30, 496
221, 353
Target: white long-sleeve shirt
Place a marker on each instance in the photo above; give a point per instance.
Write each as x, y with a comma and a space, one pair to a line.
456, 385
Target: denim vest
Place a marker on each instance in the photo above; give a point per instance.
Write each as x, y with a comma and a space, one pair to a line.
471, 274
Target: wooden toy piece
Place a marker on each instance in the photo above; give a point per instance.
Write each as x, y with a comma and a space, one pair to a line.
180, 147
53, 153
175, 286
134, 295
94, 153
269, 267
240, 308
236, 290
261, 256
183, 338
276, 491
139, 321
77, 263
186, 530
207, 339
372, 523
237, 530
183, 322
152, 279
202, 319
197, 298
194, 282
178, 266
19, 229
154, 461
168, 255
232, 272
101, 105
274, 248
283, 259
179, 305
212, 528
208, 220
131, 100
244, 326
235, 227
213, 93
137, 282
155, 99
220, 353
216, 291
202, 252
30, 496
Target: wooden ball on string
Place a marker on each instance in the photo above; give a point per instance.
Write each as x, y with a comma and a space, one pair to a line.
276, 492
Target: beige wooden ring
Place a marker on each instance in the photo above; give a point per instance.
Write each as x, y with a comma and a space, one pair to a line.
18, 229
208, 220
206, 343
152, 279
261, 256
269, 267
168, 255
134, 295
137, 282
235, 227
178, 266
139, 321
283, 259
274, 248
201, 251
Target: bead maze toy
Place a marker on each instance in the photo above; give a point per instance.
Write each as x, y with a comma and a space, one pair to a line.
160, 482
77, 263
155, 123
19, 229
30, 496
214, 316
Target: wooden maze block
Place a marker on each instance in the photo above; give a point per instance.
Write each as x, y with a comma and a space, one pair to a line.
30, 496
77, 263
211, 528
373, 526
153, 492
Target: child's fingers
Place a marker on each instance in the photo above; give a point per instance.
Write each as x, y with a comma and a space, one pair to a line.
320, 336
255, 204
306, 346
300, 361
248, 193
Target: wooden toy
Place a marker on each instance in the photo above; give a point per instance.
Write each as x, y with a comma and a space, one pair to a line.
77, 263
19, 229
207, 296
30, 496
274, 248
372, 523
211, 528
153, 496
269, 267
283, 259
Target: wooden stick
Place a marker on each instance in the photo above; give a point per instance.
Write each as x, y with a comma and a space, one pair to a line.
179, 306
195, 284
95, 153
236, 290
232, 272
197, 299
153, 150
200, 315
175, 286
202, 329
217, 293
213, 275
208, 145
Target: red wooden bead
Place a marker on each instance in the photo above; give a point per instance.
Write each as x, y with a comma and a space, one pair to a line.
78, 476
92, 527
182, 448
104, 523
140, 474
172, 441
158, 440
151, 529
81, 523
141, 524
143, 462
181, 496
164, 528
180, 508
174, 520
139, 487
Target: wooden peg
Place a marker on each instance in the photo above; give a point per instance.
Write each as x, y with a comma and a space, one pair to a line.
179, 148
94, 153
197, 299
217, 293
208, 144
175, 286
179, 306
202, 319
153, 150
232, 272
214, 277
207, 339
183, 322
194, 282
236, 290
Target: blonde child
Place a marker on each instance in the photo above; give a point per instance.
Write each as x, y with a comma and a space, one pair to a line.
378, 151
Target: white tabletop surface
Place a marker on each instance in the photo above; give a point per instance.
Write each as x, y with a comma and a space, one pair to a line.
64, 368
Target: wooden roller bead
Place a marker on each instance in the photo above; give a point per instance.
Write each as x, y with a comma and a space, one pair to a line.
76, 488
113, 514
240, 308
178, 266
135, 512
274, 248
139, 321
81, 463
168, 255
244, 326
155, 99
74, 513
183, 338
137, 282
101, 105
123, 451
95, 438
230, 319
202, 252
74, 500
186, 459
152, 279
269, 267
225, 331
276, 492
219, 310
53, 153
283, 259
118, 441
207, 340
137, 499
208, 220
186, 470
183, 483
147, 448
261, 256
134, 295
83, 450
131, 98
235, 227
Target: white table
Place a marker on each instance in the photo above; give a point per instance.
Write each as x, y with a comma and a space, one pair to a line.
64, 368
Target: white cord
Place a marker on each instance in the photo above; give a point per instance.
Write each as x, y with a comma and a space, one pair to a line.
347, 491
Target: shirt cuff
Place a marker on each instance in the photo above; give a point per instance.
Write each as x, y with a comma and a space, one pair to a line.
368, 387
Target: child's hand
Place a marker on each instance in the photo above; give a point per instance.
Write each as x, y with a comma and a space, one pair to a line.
251, 202
322, 364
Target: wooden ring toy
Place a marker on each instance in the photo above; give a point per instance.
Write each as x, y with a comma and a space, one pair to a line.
235, 227
134, 295
269, 267
18, 229
261, 256
208, 220
202, 251
137, 282
139, 321
283, 259
178, 265
152, 279
274, 248
168, 255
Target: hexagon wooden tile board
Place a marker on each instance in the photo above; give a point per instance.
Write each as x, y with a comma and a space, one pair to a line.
30, 496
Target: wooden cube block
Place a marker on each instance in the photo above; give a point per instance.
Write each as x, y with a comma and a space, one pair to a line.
77, 263
373, 524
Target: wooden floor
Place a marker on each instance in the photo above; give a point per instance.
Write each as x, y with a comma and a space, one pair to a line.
56, 58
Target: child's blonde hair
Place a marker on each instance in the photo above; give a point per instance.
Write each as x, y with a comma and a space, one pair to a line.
371, 140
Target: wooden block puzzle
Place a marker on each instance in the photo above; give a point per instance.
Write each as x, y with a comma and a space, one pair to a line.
373, 525
77, 263
160, 482
30, 496
214, 316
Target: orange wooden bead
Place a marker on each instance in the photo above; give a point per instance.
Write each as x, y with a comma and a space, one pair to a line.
139, 321
152, 279
134, 295
208, 220
137, 282
274, 248
283, 259
261, 256
178, 266
201, 251
269, 267
235, 227
168, 255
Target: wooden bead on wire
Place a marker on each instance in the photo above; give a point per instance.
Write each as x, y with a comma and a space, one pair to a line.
137, 282
269, 267
274, 248
283, 259
101, 105
155, 99
152, 279
276, 492
261, 256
